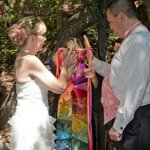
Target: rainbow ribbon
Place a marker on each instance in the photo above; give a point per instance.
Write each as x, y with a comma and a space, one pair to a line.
89, 107
89, 91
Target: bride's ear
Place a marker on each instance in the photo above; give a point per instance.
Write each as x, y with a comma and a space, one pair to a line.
30, 38
32, 41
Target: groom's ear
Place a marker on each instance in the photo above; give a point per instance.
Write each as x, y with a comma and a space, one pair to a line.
122, 16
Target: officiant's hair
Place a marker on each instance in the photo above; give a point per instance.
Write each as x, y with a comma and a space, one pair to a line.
72, 40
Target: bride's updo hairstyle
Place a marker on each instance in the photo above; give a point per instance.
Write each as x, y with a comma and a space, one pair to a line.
20, 31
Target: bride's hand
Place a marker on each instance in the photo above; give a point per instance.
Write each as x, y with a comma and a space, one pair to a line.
69, 58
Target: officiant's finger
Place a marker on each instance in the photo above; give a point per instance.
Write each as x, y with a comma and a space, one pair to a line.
86, 42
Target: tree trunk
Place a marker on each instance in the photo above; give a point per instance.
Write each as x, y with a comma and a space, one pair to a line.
73, 27
144, 13
7, 108
147, 4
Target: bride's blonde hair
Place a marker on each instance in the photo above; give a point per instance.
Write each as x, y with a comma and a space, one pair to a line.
20, 31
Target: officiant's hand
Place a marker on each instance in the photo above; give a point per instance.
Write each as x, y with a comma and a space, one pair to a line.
88, 46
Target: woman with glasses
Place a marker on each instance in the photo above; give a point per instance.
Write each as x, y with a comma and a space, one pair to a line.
31, 126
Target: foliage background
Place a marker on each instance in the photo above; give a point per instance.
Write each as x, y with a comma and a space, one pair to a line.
55, 13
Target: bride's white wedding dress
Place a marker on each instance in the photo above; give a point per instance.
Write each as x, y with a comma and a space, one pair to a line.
31, 126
